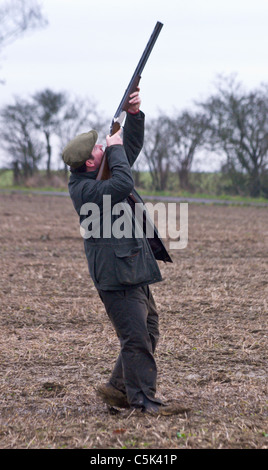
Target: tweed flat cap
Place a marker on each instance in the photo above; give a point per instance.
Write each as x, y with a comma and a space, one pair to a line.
79, 149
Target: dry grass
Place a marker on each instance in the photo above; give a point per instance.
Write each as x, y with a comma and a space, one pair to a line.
212, 354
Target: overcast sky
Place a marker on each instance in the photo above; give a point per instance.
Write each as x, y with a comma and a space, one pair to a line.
91, 48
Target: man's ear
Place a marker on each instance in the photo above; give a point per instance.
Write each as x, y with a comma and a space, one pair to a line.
90, 163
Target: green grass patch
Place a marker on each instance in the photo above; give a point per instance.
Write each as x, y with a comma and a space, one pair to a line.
187, 194
208, 192
6, 178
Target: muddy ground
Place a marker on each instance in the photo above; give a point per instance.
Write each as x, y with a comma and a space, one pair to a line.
212, 354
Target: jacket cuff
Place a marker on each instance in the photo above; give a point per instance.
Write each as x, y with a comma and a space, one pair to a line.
133, 114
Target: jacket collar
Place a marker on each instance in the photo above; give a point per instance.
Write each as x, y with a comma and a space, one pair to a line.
92, 175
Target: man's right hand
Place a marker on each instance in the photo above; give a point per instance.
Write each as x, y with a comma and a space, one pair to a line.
114, 139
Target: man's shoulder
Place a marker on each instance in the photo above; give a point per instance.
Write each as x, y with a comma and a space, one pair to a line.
77, 184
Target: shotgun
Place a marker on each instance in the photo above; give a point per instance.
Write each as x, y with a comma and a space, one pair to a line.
118, 119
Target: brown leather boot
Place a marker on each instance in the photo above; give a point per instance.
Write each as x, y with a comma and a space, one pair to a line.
172, 408
111, 396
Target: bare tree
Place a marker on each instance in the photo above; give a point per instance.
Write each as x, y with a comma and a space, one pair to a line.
19, 139
239, 128
49, 109
42, 125
157, 151
17, 16
188, 133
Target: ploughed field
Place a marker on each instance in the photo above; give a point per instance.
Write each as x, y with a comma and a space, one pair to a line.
57, 343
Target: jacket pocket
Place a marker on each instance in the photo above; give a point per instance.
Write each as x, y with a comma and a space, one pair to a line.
130, 265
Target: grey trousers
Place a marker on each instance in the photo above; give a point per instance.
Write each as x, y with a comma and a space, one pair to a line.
135, 319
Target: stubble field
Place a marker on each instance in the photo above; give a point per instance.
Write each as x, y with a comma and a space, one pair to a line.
212, 353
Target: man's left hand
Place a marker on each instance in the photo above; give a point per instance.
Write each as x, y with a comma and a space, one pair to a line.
134, 102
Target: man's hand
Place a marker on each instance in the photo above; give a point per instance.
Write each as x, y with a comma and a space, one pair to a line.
135, 102
114, 139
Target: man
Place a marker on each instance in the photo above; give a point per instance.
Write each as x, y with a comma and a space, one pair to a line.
122, 267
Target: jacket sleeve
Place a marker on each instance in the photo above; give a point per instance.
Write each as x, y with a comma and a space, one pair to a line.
133, 135
119, 186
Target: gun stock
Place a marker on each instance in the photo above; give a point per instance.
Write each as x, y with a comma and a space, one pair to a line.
104, 171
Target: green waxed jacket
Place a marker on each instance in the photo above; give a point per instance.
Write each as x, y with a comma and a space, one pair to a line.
115, 262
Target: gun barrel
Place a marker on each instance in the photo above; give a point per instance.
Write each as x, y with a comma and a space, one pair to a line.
104, 171
137, 74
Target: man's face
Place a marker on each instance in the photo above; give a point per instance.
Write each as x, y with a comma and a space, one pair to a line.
97, 153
